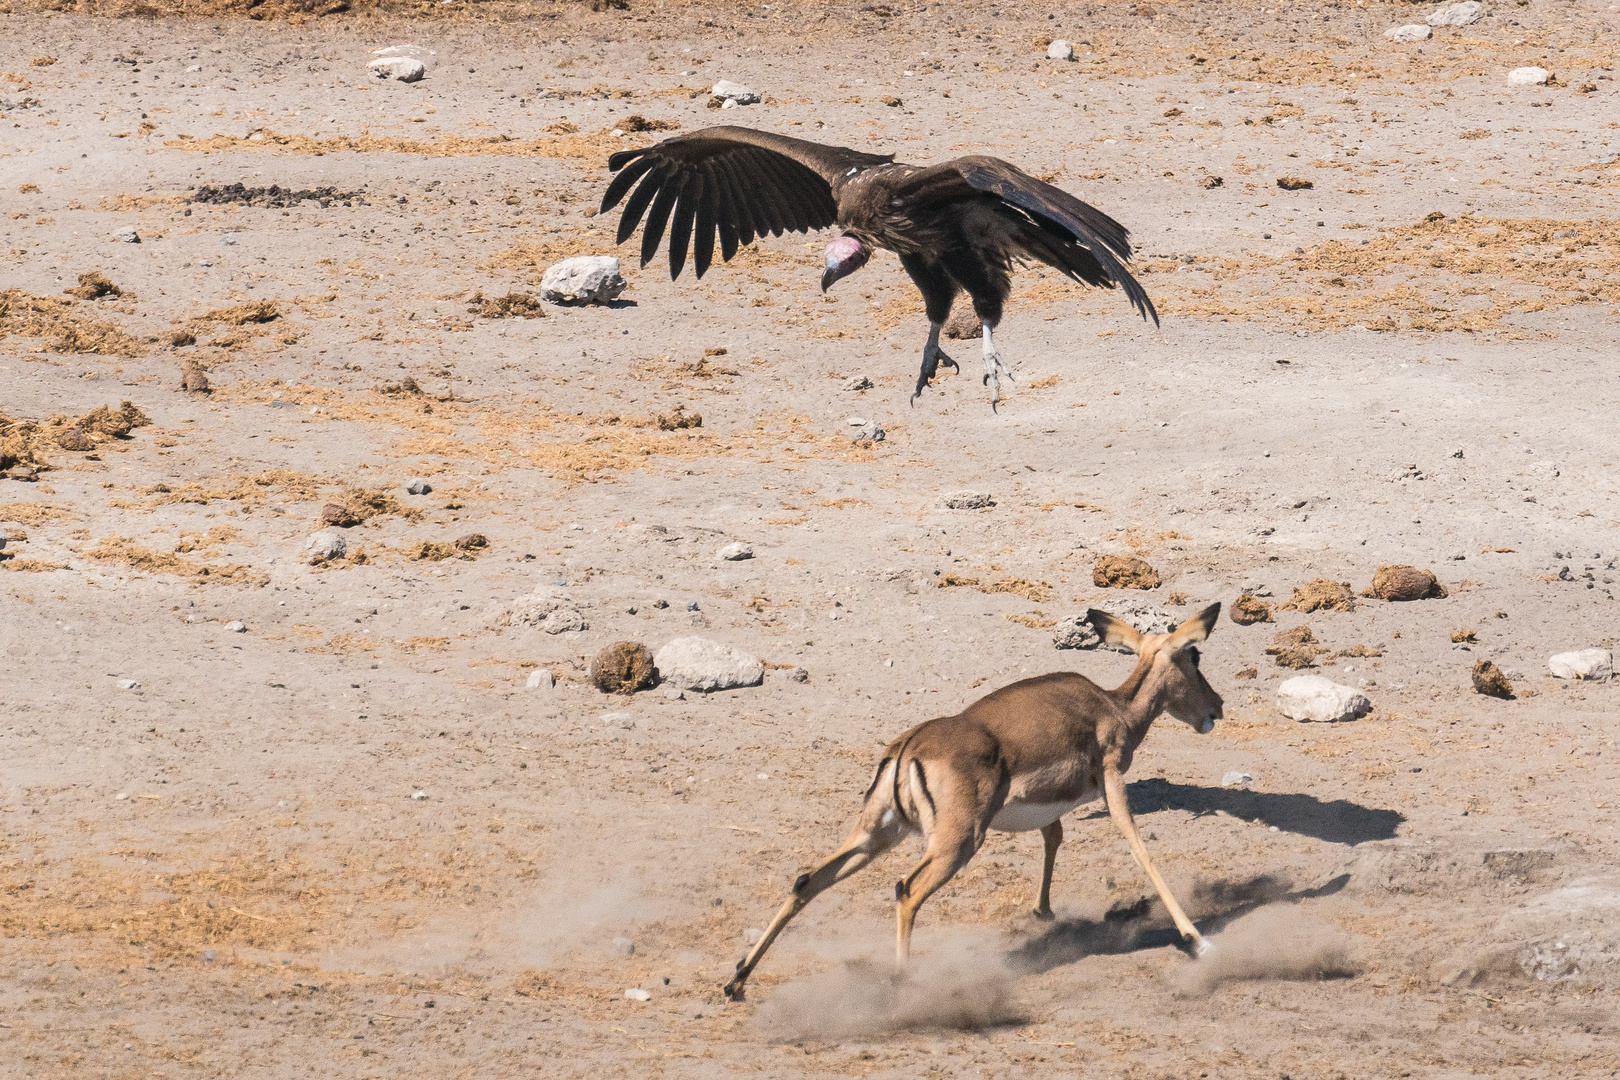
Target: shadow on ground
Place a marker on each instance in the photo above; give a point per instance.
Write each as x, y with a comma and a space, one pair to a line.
1338, 822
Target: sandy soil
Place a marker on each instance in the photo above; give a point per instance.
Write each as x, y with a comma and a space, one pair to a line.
221, 870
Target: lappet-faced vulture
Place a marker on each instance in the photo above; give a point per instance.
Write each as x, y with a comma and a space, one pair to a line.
959, 225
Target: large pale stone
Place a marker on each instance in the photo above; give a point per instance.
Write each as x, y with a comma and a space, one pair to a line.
400, 68
1528, 76
1311, 697
1456, 14
1583, 664
584, 279
695, 663
1412, 32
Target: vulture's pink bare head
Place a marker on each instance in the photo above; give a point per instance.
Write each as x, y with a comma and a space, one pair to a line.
845, 255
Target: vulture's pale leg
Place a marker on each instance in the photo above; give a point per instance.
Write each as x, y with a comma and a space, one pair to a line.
994, 367
933, 356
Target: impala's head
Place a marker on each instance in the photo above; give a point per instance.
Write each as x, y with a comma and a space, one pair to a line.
1172, 663
845, 255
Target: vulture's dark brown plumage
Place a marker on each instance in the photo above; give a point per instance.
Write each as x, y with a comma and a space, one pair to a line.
957, 226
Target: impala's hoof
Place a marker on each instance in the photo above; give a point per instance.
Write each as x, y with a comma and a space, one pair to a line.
1043, 916
732, 991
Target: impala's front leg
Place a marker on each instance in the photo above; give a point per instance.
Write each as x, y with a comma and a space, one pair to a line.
1119, 808
1052, 836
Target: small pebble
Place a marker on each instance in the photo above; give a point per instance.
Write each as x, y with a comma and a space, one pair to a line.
419, 796
208, 954
417, 486
624, 946
127, 684
753, 934
236, 626
674, 693
121, 796
540, 679
856, 421
691, 605
1236, 779
735, 552
636, 993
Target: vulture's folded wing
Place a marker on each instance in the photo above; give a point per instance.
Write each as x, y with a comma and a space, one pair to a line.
1104, 245
733, 181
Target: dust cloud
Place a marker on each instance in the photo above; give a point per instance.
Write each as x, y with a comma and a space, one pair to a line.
1278, 942
963, 984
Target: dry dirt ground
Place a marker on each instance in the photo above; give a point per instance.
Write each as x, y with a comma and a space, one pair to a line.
222, 871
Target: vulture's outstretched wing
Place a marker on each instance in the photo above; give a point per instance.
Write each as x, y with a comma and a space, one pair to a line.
1088, 245
733, 181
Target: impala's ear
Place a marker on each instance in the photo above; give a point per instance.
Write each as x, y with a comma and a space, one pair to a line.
1115, 631
1195, 629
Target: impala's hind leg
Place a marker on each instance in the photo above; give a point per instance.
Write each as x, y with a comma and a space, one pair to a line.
868, 840
948, 851
1053, 836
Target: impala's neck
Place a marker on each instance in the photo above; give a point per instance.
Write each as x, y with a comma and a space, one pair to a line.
1141, 699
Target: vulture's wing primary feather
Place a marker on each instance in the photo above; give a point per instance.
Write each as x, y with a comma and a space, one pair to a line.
731, 181
1090, 246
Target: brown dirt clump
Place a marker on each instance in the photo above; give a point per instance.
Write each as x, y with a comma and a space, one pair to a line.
1295, 648
679, 420
1248, 609
1320, 594
1037, 591
952, 581
93, 286
194, 379
511, 306
340, 516
431, 551
1294, 183
256, 311
58, 321
1405, 583
1124, 572
623, 668
1247, 673
364, 505
472, 544
1491, 681
1459, 637
181, 338
99, 425
638, 122
17, 443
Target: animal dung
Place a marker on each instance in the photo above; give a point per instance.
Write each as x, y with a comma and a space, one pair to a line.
1491, 681
340, 516
1321, 594
623, 668
1124, 572
93, 286
1295, 648
1294, 183
193, 379
1248, 609
1404, 583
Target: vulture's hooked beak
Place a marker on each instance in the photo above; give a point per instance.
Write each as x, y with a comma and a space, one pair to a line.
828, 276
845, 255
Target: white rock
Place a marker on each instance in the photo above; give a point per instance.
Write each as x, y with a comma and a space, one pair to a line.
855, 421
674, 693
127, 684
1456, 14
1584, 664
540, 679
619, 720
127, 235
1060, 50
1528, 76
1236, 779
1410, 32
419, 796
969, 500
417, 486
858, 382
584, 279
624, 946
193, 68
753, 934
553, 614
694, 663
1075, 632
236, 626
735, 552
400, 68
326, 544
636, 993
1311, 697
872, 432
726, 90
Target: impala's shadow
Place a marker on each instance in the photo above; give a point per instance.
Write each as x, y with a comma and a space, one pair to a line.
1338, 822
1145, 924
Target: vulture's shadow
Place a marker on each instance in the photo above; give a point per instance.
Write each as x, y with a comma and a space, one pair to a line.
1338, 822
1145, 925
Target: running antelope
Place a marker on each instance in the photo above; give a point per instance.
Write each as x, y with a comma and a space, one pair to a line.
1015, 761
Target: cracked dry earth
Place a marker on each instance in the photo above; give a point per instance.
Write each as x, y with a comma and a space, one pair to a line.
211, 860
